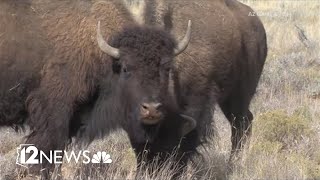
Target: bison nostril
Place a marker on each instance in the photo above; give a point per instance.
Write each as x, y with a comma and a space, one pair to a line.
150, 113
151, 106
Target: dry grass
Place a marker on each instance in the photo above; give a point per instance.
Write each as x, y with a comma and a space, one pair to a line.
286, 130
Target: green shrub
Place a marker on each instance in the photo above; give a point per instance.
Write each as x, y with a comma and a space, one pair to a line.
278, 128
287, 142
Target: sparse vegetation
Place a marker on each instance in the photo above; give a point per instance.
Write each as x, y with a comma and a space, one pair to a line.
285, 142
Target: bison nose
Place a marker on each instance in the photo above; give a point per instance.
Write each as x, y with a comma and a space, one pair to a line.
151, 106
150, 113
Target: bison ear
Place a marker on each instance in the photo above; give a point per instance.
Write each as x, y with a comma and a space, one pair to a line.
188, 124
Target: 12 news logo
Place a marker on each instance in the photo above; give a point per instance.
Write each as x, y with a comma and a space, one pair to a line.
28, 154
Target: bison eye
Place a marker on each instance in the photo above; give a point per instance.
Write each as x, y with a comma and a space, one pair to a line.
125, 69
116, 67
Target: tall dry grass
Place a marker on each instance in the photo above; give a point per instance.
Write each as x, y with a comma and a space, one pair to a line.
286, 130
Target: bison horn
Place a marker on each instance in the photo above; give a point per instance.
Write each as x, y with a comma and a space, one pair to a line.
105, 47
188, 125
183, 44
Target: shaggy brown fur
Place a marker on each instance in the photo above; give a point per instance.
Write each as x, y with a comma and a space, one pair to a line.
222, 65
51, 40
49, 58
52, 45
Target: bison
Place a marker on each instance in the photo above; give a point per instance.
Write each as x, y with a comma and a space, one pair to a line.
54, 63
222, 66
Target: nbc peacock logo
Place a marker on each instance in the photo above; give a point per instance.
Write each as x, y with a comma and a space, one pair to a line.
101, 157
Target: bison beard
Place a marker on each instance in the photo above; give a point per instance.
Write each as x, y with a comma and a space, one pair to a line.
153, 144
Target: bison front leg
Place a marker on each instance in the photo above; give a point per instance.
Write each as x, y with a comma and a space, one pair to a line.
50, 109
49, 121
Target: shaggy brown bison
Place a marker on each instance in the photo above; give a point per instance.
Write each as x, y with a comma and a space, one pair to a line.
222, 66
54, 62
223, 63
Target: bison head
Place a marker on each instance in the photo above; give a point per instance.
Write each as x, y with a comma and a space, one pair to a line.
142, 60
138, 93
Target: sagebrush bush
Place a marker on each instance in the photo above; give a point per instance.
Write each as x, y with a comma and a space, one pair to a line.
284, 145
281, 130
